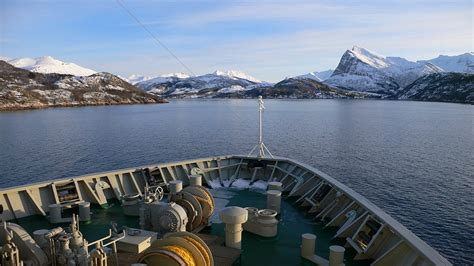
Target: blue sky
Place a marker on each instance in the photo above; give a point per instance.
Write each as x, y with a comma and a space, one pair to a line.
267, 39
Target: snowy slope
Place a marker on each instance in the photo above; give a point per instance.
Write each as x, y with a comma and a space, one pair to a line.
463, 63
206, 85
179, 75
363, 70
318, 76
235, 74
48, 64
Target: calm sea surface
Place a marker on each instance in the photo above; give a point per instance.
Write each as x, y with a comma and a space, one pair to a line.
413, 159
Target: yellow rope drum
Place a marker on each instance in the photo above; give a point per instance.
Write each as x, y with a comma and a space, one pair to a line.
183, 253
198, 246
178, 249
205, 199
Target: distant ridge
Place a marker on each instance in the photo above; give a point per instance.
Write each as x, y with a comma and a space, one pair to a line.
463, 63
359, 70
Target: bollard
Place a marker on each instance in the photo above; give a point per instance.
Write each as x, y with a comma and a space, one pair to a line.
55, 213
336, 255
84, 211
308, 243
275, 186
274, 200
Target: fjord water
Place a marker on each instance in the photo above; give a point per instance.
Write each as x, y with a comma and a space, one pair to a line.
412, 159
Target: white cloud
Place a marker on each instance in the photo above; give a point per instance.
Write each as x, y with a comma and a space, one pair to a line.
416, 30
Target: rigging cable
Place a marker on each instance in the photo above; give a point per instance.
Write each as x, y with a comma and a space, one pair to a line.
119, 2
154, 37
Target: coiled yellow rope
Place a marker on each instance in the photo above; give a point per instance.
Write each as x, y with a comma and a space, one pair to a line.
183, 253
201, 249
209, 198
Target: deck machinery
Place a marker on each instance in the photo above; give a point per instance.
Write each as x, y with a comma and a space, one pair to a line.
374, 236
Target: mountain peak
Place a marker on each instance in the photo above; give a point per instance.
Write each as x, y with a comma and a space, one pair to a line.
316, 75
364, 51
235, 74
368, 57
361, 69
48, 64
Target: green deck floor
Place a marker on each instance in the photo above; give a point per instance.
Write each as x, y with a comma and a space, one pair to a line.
284, 249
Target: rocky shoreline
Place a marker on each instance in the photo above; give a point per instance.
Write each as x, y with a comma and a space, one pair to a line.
16, 107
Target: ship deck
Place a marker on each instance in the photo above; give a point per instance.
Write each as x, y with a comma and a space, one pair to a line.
314, 202
284, 249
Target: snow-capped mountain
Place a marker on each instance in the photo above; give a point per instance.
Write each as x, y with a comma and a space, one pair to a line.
177, 85
363, 70
48, 64
463, 63
22, 89
318, 76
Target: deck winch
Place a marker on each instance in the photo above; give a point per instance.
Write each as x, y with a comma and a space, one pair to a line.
197, 201
163, 217
185, 209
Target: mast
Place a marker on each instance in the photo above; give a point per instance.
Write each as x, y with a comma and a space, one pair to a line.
261, 146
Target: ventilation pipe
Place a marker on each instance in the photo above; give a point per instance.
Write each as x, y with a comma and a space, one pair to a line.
336, 255
308, 243
233, 217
